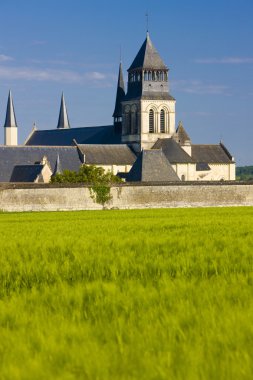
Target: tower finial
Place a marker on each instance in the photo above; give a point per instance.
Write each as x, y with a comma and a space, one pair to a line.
147, 21
120, 53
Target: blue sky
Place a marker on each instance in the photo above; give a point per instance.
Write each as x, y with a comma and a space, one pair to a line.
51, 46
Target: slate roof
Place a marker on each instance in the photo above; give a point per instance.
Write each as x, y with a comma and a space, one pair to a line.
11, 156
211, 154
120, 94
26, 173
107, 154
65, 137
173, 151
152, 166
148, 57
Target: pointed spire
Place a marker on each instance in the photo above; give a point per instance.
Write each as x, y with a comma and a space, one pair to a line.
148, 57
57, 168
63, 121
182, 135
10, 120
120, 94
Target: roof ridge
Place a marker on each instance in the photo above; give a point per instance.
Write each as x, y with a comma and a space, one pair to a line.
109, 145
68, 129
38, 146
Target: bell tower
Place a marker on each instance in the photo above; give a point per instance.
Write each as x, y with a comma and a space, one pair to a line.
148, 109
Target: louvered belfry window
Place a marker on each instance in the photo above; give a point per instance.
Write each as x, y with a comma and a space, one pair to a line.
162, 121
151, 122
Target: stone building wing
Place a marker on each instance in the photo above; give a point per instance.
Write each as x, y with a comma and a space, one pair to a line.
26, 155
152, 166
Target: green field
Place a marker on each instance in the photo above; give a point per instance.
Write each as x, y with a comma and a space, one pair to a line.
148, 294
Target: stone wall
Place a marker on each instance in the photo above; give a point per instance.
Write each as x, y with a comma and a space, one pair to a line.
53, 198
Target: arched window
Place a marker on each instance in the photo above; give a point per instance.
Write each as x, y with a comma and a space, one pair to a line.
145, 75
151, 122
182, 177
149, 75
162, 121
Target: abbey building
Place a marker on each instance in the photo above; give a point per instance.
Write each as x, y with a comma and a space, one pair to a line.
143, 144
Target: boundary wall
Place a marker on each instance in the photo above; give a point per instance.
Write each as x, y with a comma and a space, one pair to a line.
33, 197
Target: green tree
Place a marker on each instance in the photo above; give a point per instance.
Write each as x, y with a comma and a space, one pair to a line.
97, 177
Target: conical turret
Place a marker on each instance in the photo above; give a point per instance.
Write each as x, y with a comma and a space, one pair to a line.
117, 114
63, 121
10, 119
148, 57
10, 125
182, 136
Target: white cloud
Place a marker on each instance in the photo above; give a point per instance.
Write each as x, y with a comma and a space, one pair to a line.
67, 76
96, 75
225, 60
200, 88
38, 43
5, 58
49, 62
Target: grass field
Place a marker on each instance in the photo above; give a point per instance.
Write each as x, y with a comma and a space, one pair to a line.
148, 294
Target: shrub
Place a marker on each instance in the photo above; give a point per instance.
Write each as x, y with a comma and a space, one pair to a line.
93, 175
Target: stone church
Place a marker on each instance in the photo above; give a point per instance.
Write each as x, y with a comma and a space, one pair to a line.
143, 144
